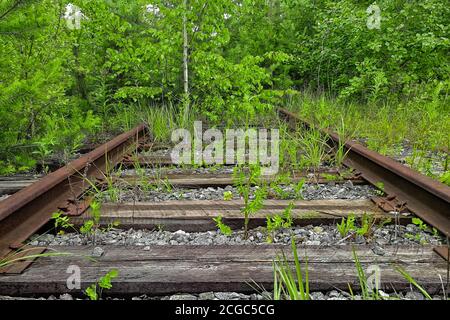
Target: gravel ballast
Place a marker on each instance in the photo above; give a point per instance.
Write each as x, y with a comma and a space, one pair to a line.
325, 235
329, 295
309, 192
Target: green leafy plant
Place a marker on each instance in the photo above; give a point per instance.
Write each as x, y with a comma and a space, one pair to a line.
44, 151
367, 223
341, 152
277, 222
61, 222
331, 177
226, 230
313, 146
243, 185
298, 188
91, 226
279, 191
346, 225
95, 290
419, 223
422, 227
445, 178
380, 186
228, 195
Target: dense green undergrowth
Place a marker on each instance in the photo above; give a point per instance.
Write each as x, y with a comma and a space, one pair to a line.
421, 125
63, 87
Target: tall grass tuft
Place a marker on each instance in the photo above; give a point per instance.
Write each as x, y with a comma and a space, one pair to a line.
413, 282
288, 284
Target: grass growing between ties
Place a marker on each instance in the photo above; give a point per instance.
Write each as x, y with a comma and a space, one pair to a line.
349, 226
290, 284
292, 279
24, 254
419, 125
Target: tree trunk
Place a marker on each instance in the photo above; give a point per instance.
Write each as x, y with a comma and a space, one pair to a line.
185, 59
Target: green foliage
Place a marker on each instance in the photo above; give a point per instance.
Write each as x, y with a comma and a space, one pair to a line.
60, 87
95, 290
228, 195
313, 146
445, 178
422, 227
418, 222
226, 230
386, 129
380, 186
90, 226
331, 177
243, 184
277, 222
61, 222
298, 188
346, 225
367, 222
398, 58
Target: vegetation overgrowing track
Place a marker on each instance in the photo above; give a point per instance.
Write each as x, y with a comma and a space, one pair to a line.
427, 198
184, 266
29, 209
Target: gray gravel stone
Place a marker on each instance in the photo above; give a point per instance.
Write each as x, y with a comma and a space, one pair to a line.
97, 252
183, 297
378, 250
413, 295
306, 235
310, 192
65, 296
317, 296
333, 294
227, 295
206, 296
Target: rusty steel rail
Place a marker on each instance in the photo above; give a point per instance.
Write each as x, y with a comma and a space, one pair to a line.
22, 214
427, 198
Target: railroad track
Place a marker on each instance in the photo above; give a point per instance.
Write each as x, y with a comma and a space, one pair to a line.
177, 261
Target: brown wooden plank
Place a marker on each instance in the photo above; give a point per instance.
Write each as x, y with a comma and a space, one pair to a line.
21, 260
12, 186
171, 269
197, 215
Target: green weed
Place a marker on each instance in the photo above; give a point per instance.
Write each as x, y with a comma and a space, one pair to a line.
243, 185
95, 290
289, 284
224, 229
277, 222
